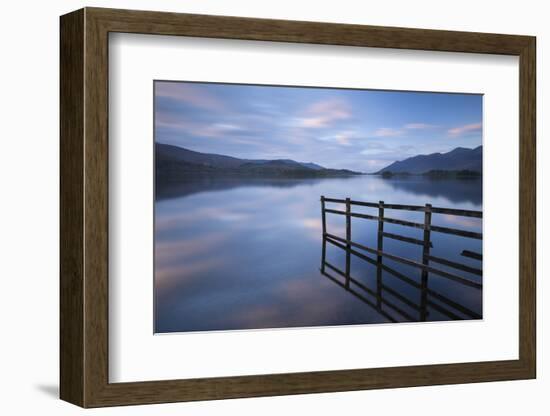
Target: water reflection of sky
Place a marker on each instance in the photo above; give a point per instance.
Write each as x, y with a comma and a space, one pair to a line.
247, 255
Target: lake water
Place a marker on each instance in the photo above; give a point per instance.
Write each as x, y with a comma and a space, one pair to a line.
246, 254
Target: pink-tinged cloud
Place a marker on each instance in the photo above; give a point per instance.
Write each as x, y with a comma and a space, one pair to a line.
461, 221
468, 128
189, 94
343, 138
324, 113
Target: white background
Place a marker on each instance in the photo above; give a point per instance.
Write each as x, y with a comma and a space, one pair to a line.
136, 355
29, 209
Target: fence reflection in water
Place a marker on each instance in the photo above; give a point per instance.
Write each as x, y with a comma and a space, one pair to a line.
380, 297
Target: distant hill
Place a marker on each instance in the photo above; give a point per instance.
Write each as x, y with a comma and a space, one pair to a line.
458, 160
313, 166
173, 163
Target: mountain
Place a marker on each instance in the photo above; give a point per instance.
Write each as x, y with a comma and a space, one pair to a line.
313, 166
166, 153
173, 163
458, 160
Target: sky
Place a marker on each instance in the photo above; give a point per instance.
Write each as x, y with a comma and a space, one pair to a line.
362, 130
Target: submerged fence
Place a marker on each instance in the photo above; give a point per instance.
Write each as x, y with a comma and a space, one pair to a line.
430, 264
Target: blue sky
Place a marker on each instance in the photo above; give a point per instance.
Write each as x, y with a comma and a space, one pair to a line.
363, 130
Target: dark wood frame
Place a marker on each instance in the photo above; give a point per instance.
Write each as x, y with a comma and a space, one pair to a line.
84, 207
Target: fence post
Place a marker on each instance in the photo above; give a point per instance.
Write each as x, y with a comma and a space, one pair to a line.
380, 248
324, 221
348, 241
425, 260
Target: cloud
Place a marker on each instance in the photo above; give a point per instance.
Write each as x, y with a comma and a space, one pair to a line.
401, 131
197, 129
419, 126
388, 153
388, 132
343, 138
189, 94
373, 147
466, 129
324, 113
380, 155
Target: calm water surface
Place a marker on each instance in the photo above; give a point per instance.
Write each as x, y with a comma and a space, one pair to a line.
247, 254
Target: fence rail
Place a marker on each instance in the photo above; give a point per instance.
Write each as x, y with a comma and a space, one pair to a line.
422, 208
361, 251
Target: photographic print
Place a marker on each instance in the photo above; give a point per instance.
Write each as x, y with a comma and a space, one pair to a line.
295, 206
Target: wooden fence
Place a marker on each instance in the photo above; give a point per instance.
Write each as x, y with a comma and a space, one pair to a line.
426, 266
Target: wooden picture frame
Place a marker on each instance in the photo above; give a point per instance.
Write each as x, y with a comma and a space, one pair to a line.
84, 207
